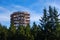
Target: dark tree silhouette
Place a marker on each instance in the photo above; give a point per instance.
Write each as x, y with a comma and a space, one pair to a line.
48, 29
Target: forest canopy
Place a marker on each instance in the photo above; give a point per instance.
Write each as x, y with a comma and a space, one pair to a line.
48, 29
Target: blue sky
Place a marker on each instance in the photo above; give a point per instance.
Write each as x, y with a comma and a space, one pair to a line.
34, 7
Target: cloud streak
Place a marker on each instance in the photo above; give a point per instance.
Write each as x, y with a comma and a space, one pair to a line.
5, 15
35, 10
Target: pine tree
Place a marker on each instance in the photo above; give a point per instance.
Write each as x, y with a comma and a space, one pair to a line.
1, 33
34, 30
12, 28
12, 31
57, 25
28, 33
49, 22
43, 23
21, 33
5, 31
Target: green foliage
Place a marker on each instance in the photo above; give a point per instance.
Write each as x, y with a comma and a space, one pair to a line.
12, 28
3, 32
27, 30
21, 30
34, 29
28, 34
49, 23
48, 29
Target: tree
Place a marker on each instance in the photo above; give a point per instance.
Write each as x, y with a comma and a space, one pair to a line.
28, 34
34, 30
57, 25
3, 32
43, 23
21, 33
49, 22
12, 31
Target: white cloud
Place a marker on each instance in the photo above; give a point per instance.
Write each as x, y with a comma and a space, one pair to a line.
2, 9
34, 15
5, 16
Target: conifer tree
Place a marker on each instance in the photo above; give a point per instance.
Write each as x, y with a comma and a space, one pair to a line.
57, 24
34, 30
49, 22
12, 28
21, 32
28, 32
12, 31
